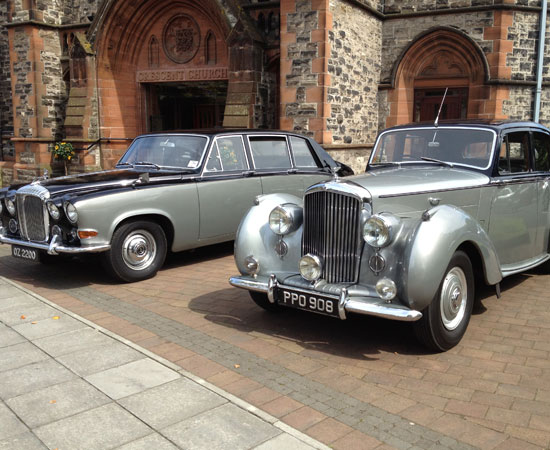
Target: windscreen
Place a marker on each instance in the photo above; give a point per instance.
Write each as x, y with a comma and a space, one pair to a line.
466, 146
177, 152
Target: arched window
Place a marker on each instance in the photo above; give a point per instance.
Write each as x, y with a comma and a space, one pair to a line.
210, 48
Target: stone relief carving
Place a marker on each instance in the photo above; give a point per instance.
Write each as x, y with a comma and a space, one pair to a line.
181, 38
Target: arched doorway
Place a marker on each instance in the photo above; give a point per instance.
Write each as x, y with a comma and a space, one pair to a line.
439, 59
161, 65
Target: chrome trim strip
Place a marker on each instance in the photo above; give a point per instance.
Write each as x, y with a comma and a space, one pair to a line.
346, 304
53, 248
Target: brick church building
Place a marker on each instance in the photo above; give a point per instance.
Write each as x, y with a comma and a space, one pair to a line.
99, 72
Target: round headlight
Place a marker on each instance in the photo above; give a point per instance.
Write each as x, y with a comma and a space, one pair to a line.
386, 289
280, 220
311, 267
376, 232
10, 205
53, 210
71, 212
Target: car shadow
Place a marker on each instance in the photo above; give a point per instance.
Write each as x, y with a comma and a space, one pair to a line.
87, 270
485, 292
358, 337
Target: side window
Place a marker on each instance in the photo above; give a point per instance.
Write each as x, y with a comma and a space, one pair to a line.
514, 153
302, 153
227, 155
269, 152
541, 147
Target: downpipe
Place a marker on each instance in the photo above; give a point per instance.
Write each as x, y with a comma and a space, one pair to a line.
540, 59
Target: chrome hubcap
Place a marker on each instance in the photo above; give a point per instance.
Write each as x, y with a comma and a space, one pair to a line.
139, 250
453, 299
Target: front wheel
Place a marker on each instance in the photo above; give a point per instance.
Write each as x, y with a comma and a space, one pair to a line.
446, 318
138, 250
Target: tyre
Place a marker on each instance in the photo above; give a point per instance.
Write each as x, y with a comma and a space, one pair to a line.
138, 250
263, 302
445, 320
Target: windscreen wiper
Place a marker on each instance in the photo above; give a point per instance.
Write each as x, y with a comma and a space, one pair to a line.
145, 163
444, 163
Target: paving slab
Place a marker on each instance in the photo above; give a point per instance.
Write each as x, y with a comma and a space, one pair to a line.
131, 378
51, 324
73, 341
19, 355
101, 428
172, 402
11, 425
153, 441
33, 377
226, 427
56, 402
9, 337
24, 441
20, 313
100, 358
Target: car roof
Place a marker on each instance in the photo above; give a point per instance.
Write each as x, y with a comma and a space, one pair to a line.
494, 124
224, 131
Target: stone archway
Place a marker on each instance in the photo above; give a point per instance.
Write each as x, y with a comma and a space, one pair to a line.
159, 60
440, 58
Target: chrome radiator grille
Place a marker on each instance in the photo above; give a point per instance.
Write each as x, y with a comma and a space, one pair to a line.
331, 231
33, 219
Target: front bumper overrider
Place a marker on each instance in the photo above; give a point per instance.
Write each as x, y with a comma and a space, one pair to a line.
348, 302
54, 247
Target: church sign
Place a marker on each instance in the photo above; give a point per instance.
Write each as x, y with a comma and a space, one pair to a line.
204, 74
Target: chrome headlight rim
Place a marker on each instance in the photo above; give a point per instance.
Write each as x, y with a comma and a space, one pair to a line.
378, 230
312, 263
10, 206
282, 224
53, 210
71, 212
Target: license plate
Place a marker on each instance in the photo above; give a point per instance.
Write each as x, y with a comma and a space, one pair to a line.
24, 252
307, 301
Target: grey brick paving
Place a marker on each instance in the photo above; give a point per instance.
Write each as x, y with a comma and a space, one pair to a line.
270, 374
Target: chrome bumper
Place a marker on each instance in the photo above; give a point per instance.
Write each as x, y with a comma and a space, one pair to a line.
54, 247
370, 306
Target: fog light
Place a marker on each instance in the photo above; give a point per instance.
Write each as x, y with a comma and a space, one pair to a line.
252, 265
56, 230
13, 226
311, 267
386, 289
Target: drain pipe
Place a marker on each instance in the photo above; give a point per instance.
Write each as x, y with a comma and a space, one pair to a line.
540, 59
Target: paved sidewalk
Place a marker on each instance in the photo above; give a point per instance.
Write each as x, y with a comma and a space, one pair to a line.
68, 384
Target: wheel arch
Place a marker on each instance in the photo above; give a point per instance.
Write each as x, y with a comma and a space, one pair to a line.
164, 222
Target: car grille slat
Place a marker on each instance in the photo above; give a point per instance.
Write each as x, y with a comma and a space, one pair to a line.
331, 231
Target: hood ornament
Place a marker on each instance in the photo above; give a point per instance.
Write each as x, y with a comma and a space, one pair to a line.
44, 177
334, 171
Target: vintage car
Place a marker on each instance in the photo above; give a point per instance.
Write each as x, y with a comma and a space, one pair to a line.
168, 191
439, 210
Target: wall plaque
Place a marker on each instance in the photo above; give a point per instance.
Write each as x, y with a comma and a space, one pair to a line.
181, 38
160, 76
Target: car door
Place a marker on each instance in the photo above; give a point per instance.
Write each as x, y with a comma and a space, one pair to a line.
272, 161
514, 209
541, 154
226, 189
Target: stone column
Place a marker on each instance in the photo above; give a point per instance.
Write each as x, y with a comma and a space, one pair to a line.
305, 51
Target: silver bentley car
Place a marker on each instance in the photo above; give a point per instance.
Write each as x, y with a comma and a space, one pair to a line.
439, 210
170, 191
